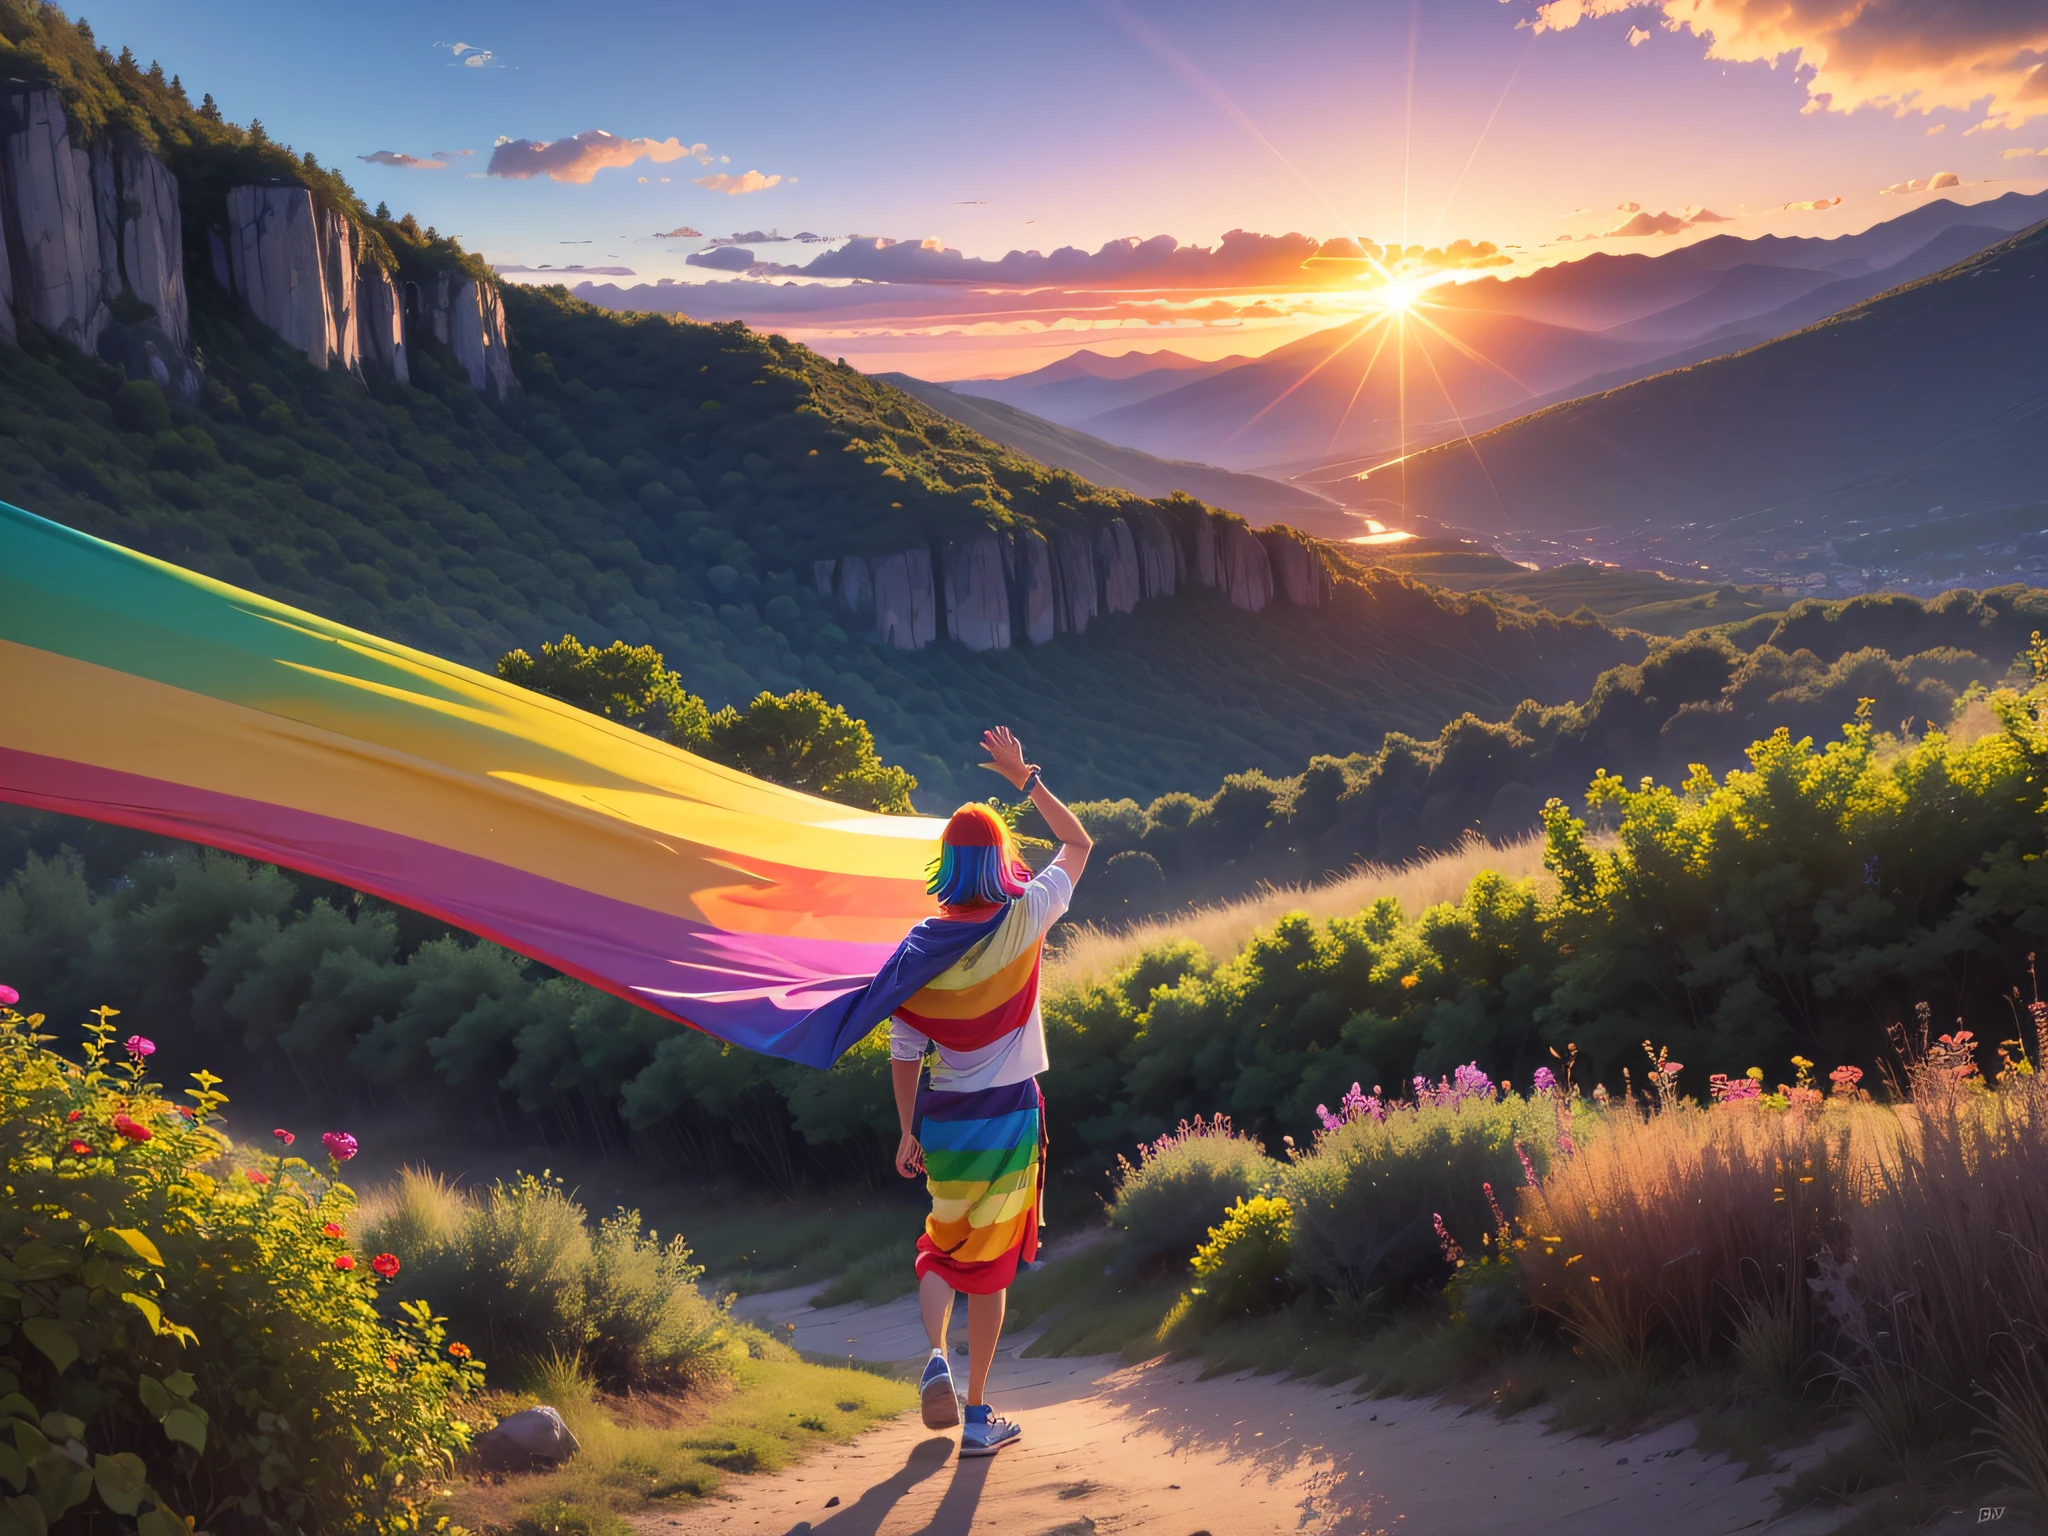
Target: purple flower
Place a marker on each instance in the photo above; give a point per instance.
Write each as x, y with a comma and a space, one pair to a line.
340, 1145
138, 1047
1546, 1080
1528, 1168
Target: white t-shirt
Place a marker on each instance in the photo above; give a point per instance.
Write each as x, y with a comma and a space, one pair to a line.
1021, 1053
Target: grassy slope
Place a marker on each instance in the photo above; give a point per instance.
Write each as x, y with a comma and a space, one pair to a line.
1642, 600
1934, 393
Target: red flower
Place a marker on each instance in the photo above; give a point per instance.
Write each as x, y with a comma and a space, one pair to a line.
284, 1136
185, 1110
386, 1264
459, 1350
331, 1230
74, 1117
345, 1262
133, 1130
256, 1176
81, 1148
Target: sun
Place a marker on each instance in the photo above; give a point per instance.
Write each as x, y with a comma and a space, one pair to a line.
1398, 295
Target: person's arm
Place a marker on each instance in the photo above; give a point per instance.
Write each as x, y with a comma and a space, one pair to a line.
1006, 756
909, 1155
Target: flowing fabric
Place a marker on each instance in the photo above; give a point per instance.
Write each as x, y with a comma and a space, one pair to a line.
984, 1164
135, 692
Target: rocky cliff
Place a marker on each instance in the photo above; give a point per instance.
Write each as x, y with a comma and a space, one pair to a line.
1001, 588
466, 317
294, 263
94, 240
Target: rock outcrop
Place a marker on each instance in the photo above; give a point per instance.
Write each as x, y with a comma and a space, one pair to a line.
381, 316
294, 263
468, 318
1022, 586
95, 250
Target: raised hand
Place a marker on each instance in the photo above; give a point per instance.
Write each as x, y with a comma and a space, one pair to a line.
1006, 755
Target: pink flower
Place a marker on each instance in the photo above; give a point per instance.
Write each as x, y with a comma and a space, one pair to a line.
284, 1136
138, 1047
386, 1264
329, 1229
132, 1129
340, 1145
9, 997
345, 1262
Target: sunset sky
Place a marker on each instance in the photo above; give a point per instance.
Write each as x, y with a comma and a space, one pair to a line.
547, 136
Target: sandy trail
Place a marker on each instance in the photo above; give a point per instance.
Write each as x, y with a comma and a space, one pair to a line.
1149, 1450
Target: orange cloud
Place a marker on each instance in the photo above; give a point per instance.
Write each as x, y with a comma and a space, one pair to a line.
1818, 205
581, 157
1932, 183
1645, 224
1905, 55
739, 186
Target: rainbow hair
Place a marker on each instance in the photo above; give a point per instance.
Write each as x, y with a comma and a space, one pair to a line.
978, 863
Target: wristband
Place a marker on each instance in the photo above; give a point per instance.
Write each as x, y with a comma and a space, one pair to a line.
1034, 782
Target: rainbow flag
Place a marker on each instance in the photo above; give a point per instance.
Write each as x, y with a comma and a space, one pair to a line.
133, 691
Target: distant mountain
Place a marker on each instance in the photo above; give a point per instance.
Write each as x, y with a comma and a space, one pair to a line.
1086, 384
1932, 396
1347, 387
1252, 497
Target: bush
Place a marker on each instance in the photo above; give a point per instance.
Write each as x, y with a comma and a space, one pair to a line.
1367, 1195
1168, 1200
521, 1266
1242, 1268
187, 1334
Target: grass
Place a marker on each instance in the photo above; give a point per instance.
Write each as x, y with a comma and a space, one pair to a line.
1091, 951
860, 1249
648, 1454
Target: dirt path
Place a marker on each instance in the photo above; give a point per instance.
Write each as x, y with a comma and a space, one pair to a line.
1149, 1450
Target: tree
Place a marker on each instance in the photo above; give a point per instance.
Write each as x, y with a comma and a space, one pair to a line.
627, 683
801, 740
796, 739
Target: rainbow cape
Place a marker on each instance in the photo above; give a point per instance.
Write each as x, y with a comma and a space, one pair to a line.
136, 692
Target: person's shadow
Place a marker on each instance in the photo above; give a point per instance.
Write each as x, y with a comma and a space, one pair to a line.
953, 1517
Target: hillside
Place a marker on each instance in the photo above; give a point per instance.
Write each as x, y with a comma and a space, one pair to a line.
484, 484
1932, 396
1253, 497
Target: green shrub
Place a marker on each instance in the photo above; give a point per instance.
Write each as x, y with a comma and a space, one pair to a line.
187, 1333
1365, 1197
521, 1266
1182, 1183
1242, 1268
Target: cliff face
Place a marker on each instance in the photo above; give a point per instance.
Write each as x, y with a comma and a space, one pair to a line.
998, 589
294, 264
94, 241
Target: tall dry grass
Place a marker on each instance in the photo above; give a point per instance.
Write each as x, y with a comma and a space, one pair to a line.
1092, 951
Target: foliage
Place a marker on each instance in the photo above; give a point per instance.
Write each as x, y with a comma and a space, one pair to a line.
521, 1266
1243, 1266
186, 1333
797, 739
1168, 1199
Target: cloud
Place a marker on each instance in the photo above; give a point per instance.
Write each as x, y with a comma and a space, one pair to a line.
1637, 36
407, 162
680, 232
1818, 205
470, 56
544, 268
580, 158
1628, 207
1937, 128
1932, 183
2021, 154
1901, 55
723, 258
738, 186
450, 154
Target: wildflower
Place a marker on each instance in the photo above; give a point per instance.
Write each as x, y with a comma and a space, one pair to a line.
1845, 1079
185, 1112
1452, 1251
256, 1176
1528, 1168
1410, 981
386, 1264
1545, 1080
340, 1145
329, 1229
81, 1149
74, 1117
9, 997
284, 1136
139, 1047
459, 1350
344, 1262
132, 1129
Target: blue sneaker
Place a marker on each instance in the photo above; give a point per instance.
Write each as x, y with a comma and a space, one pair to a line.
941, 1403
986, 1433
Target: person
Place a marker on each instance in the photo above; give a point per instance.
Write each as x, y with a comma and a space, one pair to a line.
965, 1054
